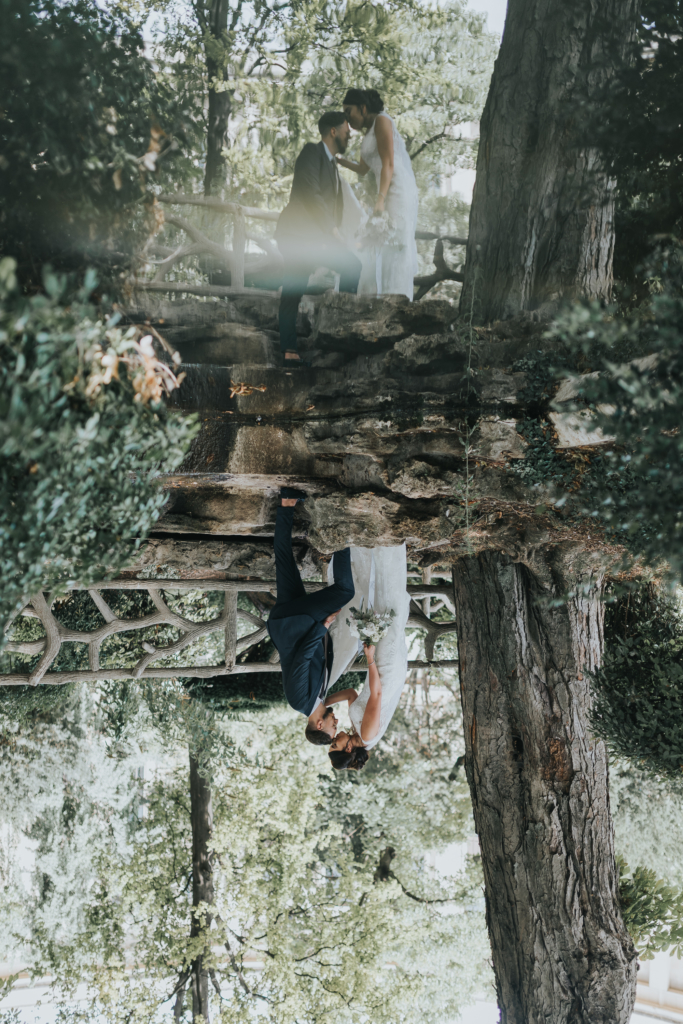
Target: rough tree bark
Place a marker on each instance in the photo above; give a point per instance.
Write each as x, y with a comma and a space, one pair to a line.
201, 814
220, 103
538, 781
542, 211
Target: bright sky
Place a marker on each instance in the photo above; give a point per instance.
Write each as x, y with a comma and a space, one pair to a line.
496, 11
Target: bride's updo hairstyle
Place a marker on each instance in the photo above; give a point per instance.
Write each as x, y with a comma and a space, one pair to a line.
368, 98
352, 762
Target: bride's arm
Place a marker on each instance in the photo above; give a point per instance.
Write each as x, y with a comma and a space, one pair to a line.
360, 168
339, 696
385, 147
371, 718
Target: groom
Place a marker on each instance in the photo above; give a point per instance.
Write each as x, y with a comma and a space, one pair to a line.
307, 232
298, 626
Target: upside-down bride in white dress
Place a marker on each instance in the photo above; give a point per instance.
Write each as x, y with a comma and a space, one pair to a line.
383, 152
380, 577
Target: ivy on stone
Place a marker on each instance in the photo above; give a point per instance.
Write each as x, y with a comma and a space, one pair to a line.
638, 689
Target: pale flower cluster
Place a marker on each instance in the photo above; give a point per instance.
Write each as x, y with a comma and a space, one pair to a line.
368, 625
378, 230
151, 378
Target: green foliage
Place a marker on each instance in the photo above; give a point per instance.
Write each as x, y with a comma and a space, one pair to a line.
418, 754
82, 442
638, 125
23, 705
542, 465
66, 796
432, 65
85, 123
652, 911
635, 487
638, 690
648, 823
285, 65
300, 891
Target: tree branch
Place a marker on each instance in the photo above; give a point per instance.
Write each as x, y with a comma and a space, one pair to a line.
434, 138
442, 273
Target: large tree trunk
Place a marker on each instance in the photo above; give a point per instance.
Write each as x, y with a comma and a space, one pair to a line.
538, 780
201, 815
541, 224
220, 103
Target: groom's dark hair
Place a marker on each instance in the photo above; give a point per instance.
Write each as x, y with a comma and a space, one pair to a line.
331, 119
318, 737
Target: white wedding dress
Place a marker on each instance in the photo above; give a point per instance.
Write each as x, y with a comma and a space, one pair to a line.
396, 262
380, 577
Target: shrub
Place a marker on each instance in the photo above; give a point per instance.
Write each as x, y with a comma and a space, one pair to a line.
638, 690
652, 911
23, 705
84, 435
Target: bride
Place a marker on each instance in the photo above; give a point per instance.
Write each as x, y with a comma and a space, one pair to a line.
383, 151
379, 576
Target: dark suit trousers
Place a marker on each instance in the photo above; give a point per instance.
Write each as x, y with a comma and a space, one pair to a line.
301, 259
292, 598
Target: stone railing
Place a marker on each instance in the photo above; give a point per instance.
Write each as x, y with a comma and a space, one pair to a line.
237, 261
40, 607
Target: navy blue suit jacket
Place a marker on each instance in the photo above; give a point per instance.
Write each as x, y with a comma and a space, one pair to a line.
299, 640
315, 207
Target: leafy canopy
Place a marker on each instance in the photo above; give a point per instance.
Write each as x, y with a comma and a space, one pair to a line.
302, 889
283, 64
638, 124
85, 122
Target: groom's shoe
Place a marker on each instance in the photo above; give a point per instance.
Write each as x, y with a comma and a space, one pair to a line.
291, 492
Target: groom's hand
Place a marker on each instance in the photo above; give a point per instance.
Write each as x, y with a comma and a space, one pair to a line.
330, 619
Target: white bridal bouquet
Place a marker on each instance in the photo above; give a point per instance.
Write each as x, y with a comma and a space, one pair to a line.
378, 230
368, 625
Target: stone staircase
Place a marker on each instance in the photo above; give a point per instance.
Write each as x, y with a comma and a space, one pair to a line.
404, 419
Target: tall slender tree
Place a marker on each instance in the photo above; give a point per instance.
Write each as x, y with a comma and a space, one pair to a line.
201, 816
213, 21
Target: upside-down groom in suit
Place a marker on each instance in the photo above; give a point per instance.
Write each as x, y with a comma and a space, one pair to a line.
307, 232
298, 626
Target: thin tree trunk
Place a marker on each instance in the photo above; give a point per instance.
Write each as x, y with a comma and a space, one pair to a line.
538, 780
220, 103
201, 815
541, 224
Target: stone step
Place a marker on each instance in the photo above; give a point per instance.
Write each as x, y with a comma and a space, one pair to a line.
225, 344
260, 311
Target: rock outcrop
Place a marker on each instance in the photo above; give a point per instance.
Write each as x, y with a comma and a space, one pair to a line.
406, 425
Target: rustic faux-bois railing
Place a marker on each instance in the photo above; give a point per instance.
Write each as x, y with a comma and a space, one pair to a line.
239, 262
56, 633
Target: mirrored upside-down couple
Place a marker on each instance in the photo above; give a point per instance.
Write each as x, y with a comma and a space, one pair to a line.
317, 641
324, 225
